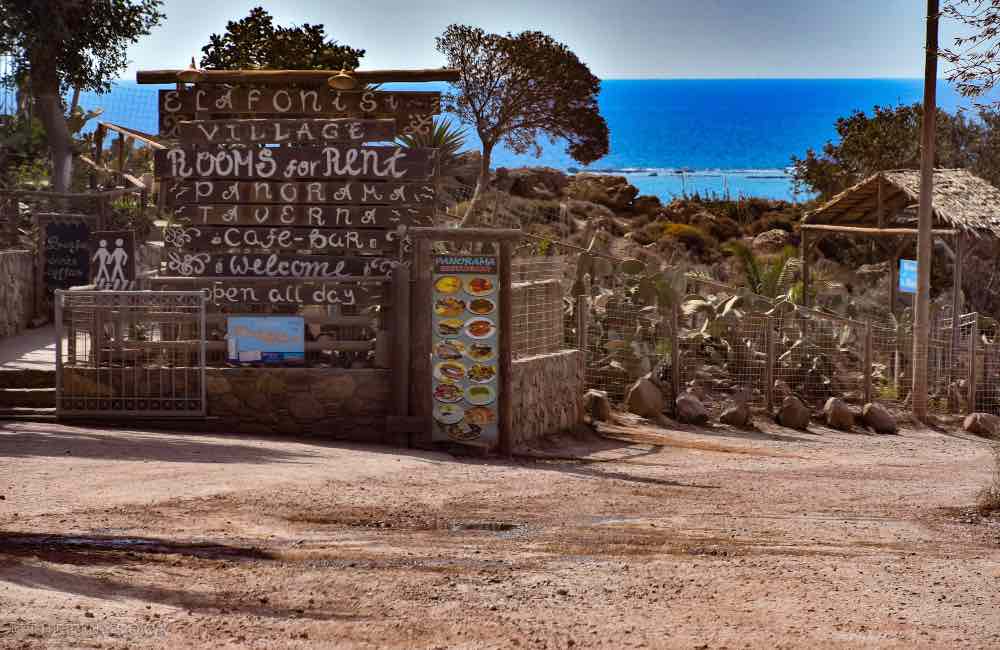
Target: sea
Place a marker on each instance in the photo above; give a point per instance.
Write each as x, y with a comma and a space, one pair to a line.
673, 137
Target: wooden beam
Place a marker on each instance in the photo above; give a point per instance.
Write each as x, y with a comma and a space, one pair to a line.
281, 77
466, 234
401, 341
872, 232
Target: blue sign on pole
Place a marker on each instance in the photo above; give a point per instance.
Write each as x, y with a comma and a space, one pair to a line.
266, 339
908, 276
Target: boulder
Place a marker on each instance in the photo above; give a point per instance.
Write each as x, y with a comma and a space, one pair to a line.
838, 414
647, 204
793, 413
532, 182
690, 409
771, 241
982, 424
614, 192
645, 399
781, 389
597, 405
878, 419
736, 414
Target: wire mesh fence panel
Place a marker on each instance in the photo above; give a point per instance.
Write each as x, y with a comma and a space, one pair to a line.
987, 378
726, 358
130, 352
537, 305
621, 345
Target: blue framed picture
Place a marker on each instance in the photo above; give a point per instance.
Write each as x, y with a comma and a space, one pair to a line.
266, 339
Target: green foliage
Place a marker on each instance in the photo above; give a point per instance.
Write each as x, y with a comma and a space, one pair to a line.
77, 44
447, 137
517, 88
255, 42
975, 59
769, 276
889, 138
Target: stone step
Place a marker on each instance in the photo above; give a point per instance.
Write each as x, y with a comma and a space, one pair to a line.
27, 398
27, 378
30, 414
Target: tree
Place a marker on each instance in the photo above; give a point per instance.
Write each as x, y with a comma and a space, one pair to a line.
515, 89
256, 43
975, 60
59, 45
889, 138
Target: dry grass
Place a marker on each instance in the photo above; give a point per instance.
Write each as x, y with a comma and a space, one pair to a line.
989, 499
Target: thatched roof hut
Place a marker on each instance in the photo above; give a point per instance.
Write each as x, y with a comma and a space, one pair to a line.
962, 201
966, 213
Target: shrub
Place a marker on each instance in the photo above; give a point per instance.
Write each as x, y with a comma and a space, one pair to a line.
694, 239
989, 499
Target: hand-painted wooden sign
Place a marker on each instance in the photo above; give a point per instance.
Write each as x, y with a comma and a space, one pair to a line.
288, 163
276, 131
112, 259
288, 239
248, 292
274, 265
336, 192
66, 254
223, 100
320, 216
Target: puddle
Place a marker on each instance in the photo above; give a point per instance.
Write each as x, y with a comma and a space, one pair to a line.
132, 544
501, 529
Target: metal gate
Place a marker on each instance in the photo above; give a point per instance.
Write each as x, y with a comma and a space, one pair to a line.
130, 353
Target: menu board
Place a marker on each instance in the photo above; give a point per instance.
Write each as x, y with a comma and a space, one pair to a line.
464, 350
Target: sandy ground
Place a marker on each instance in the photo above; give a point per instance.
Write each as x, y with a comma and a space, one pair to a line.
649, 538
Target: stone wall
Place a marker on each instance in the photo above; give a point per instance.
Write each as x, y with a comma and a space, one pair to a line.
17, 287
548, 392
329, 402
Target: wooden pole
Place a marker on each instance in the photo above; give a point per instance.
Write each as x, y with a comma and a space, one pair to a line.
582, 324
769, 363
868, 362
421, 324
675, 353
506, 415
925, 216
973, 344
805, 268
401, 340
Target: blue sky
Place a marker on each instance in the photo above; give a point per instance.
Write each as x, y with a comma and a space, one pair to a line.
617, 38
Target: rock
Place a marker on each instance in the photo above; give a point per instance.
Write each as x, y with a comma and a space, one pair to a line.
878, 419
305, 408
781, 389
982, 424
793, 413
645, 399
646, 204
532, 182
838, 414
696, 388
771, 241
736, 414
690, 409
614, 192
597, 405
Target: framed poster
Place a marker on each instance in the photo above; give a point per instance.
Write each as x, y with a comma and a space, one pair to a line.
112, 259
266, 339
465, 349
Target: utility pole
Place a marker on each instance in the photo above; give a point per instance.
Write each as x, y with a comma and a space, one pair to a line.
925, 215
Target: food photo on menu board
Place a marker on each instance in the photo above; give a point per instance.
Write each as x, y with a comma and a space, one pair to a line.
464, 348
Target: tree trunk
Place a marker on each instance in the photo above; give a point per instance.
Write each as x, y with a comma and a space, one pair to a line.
482, 182
49, 109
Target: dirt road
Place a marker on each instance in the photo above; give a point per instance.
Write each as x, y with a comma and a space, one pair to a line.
699, 539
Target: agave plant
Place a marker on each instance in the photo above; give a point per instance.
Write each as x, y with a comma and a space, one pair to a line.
766, 277
445, 136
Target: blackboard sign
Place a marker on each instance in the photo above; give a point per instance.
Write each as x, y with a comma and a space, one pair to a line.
67, 254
